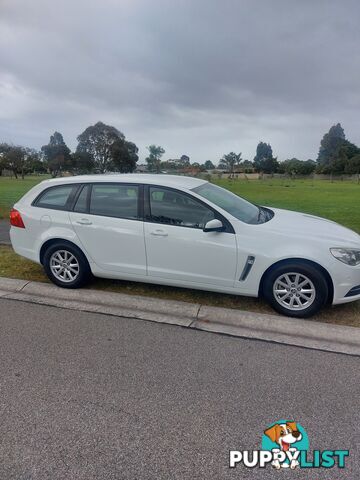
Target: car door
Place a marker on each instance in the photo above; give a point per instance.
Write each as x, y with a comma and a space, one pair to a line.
177, 248
107, 218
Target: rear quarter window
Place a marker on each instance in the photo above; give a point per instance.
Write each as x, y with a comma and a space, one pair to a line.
57, 198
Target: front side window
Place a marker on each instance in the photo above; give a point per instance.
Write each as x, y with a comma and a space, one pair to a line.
57, 198
174, 208
231, 203
115, 200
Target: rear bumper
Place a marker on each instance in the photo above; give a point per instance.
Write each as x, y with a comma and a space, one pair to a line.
23, 244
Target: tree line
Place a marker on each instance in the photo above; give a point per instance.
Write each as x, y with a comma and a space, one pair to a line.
103, 148
336, 156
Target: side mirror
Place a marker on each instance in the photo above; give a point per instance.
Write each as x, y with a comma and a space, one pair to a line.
214, 226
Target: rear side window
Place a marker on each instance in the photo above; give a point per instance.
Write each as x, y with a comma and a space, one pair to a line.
57, 198
115, 200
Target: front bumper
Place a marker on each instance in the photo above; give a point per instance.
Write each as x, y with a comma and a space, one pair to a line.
353, 292
346, 280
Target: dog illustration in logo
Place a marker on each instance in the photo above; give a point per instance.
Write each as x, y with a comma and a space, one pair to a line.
285, 435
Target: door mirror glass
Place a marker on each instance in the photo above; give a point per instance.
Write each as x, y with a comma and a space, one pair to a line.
214, 226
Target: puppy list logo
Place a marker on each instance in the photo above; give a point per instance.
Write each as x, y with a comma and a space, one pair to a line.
285, 445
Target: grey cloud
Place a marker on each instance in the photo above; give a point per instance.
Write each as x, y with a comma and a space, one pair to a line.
199, 77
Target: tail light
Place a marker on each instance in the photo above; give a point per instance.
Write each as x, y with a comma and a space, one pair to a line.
15, 219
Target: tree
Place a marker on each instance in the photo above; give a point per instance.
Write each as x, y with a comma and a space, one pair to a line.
20, 160
154, 158
33, 161
229, 161
82, 162
335, 151
37, 166
4, 147
353, 165
264, 160
350, 149
209, 165
14, 159
125, 155
330, 145
339, 162
184, 160
57, 155
247, 166
297, 167
97, 140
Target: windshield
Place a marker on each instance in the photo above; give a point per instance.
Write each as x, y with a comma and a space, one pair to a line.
231, 203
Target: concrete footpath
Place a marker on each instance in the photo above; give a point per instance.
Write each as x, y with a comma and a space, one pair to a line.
272, 328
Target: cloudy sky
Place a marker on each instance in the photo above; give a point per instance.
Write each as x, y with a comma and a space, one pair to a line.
200, 77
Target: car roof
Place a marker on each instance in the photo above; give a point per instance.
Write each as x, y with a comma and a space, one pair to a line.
154, 179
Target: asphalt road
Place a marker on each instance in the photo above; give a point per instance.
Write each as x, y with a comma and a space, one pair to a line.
4, 231
89, 396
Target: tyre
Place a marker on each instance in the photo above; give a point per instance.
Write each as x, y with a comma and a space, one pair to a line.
296, 289
66, 265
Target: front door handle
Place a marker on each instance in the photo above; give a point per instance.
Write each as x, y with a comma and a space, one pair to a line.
159, 233
84, 221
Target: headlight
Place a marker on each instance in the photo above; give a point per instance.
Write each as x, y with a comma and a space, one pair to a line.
350, 256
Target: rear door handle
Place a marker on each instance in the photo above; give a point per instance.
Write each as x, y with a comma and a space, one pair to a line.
84, 221
159, 233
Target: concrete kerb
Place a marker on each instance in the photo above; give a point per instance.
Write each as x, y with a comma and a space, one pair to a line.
274, 328
289, 331
10, 285
156, 310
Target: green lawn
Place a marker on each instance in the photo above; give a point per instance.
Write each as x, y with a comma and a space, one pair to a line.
11, 190
338, 201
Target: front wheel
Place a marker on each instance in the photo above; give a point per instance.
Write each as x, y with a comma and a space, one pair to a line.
66, 265
295, 289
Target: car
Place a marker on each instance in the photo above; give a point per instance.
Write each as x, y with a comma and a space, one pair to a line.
185, 232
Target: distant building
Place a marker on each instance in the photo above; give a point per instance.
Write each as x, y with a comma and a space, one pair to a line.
178, 163
141, 168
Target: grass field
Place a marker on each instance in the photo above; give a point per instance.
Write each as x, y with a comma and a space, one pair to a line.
12, 190
338, 201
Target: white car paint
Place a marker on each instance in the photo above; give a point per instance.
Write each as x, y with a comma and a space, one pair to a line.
188, 257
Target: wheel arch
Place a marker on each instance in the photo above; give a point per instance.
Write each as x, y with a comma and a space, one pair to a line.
53, 241
316, 265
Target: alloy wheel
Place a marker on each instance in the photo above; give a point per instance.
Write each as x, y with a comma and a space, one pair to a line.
64, 266
294, 291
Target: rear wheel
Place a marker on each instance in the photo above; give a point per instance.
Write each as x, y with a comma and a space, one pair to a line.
295, 289
66, 265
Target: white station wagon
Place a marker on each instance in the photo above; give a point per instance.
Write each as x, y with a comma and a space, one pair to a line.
185, 232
